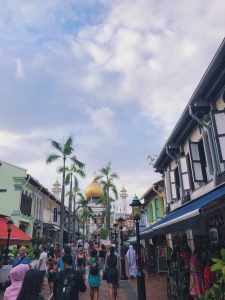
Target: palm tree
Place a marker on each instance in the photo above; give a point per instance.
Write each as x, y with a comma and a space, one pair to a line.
85, 212
76, 191
107, 178
77, 168
64, 152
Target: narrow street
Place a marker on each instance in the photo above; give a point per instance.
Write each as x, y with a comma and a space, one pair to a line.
155, 289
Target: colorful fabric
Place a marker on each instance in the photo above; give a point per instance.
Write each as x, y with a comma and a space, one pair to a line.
131, 259
16, 276
93, 280
196, 280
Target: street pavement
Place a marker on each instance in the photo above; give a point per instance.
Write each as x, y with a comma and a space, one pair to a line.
155, 289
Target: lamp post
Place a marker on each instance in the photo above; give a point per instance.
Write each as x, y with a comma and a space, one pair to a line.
123, 275
115, 226
136, 212
9, 229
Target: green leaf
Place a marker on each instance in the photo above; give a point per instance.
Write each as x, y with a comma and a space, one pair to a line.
223, 254
217, 261
216, 267
52, 157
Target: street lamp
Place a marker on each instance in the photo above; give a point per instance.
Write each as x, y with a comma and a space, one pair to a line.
136, 212
115, 226
9, 229
123, 275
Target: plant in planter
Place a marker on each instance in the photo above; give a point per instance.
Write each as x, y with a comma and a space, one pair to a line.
217, 291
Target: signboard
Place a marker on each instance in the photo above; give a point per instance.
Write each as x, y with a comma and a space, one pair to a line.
129, 223
142, 222
55, 215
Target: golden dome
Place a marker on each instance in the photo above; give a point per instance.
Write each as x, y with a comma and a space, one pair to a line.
94, 190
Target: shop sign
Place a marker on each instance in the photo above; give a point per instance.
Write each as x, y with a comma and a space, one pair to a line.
142, 222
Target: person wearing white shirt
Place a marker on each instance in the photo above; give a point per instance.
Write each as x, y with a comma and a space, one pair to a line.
42, 260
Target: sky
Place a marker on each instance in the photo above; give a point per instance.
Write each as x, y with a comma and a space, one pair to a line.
116, 75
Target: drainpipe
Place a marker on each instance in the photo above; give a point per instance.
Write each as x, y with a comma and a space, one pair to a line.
211, 146
179, 172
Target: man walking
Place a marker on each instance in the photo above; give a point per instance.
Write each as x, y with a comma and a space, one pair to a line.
68, 283
42, 260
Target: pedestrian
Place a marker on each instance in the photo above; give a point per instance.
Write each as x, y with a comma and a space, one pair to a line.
196, 278
102, 255
16, 276
31, 287
51, 270
68, 283
21, 258
94, 279
112, 273
81, 260
56, 251
42, 260
67, 251
131, 259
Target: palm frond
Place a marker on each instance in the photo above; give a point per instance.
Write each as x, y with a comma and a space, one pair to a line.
67, 178
114, 176
68, 147
77, 163
60, 169
52, 157
56, 145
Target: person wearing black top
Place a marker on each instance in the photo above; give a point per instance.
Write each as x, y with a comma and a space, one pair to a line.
102, 255
68, 283
112, 273
31, 287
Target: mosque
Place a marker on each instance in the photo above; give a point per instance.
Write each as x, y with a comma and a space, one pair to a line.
93, 193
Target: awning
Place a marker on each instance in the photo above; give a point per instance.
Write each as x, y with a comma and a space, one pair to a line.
185, 217
17, 235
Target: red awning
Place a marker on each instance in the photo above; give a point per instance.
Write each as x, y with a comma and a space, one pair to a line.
16, 237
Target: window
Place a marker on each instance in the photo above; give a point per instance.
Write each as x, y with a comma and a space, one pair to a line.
159, 208
150, 212
218, 118
26, 204
173, 185
184, 173
198, 161
167, 186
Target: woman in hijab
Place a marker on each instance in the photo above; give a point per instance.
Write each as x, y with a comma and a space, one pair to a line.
131, 259
16, 276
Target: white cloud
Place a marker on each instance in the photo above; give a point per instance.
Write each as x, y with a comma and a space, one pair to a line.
19, 68
103, 120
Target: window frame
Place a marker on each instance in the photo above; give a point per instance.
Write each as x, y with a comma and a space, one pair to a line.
217, 135
193, 161
185, 173
173, 183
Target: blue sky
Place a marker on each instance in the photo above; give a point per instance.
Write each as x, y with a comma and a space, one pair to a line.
114, 74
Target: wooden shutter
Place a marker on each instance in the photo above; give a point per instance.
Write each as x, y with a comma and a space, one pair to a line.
208, 154
196, 165
218, 118
161, 207
185, 173
150, 212
173, 185
167, 186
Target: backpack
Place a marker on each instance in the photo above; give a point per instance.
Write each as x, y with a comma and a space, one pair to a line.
94, 270
65, 288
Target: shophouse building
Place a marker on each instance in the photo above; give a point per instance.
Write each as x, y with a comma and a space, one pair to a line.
24, 199
192, 164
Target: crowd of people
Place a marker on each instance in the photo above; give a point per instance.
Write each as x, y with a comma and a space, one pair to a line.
67, 271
